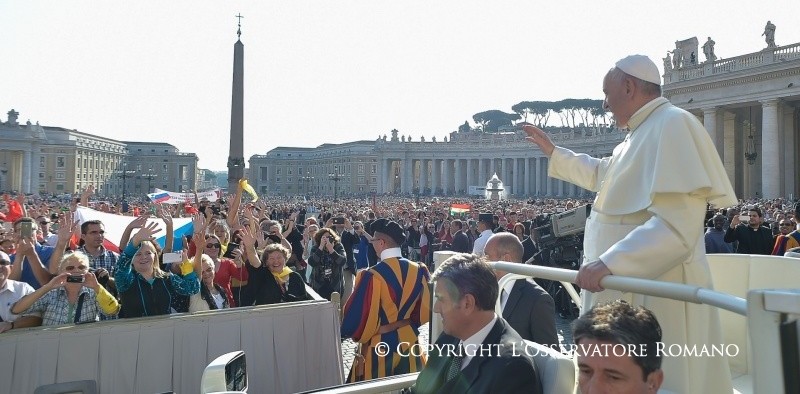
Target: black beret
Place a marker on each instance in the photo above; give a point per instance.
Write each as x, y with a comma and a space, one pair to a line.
390, 229
487, 218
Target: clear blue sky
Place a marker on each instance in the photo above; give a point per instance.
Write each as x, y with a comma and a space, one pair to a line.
334, 71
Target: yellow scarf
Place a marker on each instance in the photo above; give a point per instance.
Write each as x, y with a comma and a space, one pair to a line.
283, 276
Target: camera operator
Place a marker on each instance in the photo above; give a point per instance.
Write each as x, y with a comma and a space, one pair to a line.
328, 260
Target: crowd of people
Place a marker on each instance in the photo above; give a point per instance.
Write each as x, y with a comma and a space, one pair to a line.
755, 227
234, 247
317, 242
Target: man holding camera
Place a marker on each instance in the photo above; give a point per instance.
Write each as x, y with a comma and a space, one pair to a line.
753, 238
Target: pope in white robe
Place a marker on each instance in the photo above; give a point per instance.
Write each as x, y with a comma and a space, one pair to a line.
647, 218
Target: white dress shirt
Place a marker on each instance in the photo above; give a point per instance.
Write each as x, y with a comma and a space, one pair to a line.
472, 345
10, 293
508, 287
391, 252
480, 243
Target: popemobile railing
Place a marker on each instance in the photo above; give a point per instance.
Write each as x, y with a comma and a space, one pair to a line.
766, 311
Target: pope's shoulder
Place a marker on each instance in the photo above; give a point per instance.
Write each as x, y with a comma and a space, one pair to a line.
675, 120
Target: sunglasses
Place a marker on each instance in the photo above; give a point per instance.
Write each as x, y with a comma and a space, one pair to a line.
786, 225
213, 245
72, 268
44, 223
5, 262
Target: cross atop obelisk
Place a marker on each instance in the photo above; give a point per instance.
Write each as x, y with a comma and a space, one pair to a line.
236, 162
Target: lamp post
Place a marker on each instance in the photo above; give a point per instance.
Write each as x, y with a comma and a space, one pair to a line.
124, 174
150, 175
306, 180
335, 177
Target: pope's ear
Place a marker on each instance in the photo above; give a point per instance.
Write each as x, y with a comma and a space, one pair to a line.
629, 85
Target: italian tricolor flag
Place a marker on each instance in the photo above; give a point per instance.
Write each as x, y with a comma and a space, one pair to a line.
460, 208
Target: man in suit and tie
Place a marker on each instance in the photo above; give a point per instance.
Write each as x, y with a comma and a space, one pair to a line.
460, 239
478, 352
526, 306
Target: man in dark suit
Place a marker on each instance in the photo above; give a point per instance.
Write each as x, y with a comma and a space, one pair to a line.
478, 352
526, 306
460, 239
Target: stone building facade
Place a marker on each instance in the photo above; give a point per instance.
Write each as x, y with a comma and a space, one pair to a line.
753, 95
400, 166
329, 169
56, 160
160, 165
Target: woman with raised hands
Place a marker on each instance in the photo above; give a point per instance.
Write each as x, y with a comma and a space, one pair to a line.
144, 289
270, 280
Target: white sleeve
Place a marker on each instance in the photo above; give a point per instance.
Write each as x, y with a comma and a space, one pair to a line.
577, 168
664, 241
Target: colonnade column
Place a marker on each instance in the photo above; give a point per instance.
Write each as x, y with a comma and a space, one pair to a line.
436, 176
406, 177
470, 174
770, 147
526, 162
710, 123
385, 182
545, 185
26, 171
729, 148
518, 182
481, 173
459, 172
447, 176
423, 175
453, 182
37, 167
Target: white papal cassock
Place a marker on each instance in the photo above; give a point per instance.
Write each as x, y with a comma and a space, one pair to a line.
647, 222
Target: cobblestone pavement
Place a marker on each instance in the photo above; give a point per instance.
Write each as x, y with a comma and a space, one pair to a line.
349, 347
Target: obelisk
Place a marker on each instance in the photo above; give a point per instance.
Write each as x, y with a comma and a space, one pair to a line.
236, 155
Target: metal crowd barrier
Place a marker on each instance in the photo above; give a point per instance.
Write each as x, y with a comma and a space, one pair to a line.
768, 311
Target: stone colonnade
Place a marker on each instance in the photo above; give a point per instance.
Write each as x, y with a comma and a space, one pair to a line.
521, 177
775, 138
17, 171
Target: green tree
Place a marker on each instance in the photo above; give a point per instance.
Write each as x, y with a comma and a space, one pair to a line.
523, 109
490, 120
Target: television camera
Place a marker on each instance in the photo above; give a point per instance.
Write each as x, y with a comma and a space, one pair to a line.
559, 237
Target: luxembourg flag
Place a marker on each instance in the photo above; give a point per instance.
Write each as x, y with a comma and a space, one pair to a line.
115, 225
159, 197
